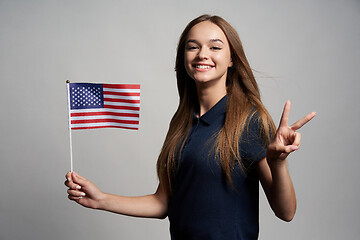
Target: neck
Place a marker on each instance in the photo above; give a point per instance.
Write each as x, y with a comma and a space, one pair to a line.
208, 96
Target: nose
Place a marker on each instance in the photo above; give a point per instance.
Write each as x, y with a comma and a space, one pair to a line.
203, 54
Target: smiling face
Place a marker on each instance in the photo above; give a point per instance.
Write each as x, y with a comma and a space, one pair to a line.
207, 54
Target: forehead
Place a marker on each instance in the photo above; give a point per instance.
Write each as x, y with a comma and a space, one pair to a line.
205, 31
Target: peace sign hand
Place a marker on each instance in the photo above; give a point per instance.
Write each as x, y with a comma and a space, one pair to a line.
286, 138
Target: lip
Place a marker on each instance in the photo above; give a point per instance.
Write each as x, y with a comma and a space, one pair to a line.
206, 65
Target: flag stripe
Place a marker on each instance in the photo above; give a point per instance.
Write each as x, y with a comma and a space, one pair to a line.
121, 90
122, 86
120, 114
108, 104
105, 118
110, 92
103, 121
114, 125
122, 107
100, 110
121, 100
122, 97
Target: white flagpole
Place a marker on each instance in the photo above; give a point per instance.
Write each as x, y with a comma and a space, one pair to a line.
68, 100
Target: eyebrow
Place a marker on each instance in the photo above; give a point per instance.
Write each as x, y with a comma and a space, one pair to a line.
211, 40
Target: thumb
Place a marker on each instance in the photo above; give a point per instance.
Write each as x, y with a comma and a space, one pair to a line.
289, 148
78, 179
293, 148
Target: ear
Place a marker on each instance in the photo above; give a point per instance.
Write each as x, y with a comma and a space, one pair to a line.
230, 63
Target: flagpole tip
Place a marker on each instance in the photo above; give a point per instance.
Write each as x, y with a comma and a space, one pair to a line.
67, 81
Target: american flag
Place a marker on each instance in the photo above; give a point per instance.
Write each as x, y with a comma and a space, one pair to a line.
95, 105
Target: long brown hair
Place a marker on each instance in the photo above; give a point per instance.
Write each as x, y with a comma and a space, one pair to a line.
243, 98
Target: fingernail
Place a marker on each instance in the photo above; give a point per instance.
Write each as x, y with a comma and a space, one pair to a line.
82, 194
294, 148
79, 197
69, 179
78, 187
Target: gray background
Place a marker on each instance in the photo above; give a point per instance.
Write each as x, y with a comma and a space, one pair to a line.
306, 51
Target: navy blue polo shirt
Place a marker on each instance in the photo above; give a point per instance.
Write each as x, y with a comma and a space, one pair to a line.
203, 205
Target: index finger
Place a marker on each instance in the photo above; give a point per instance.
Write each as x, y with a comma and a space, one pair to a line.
68, 176
303, 121
285, 115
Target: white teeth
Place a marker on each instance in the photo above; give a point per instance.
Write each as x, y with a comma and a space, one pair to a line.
203, 66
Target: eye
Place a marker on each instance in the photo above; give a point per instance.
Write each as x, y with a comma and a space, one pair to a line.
215, 48
191, 47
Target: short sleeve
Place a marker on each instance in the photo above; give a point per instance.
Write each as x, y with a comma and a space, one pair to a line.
252, 144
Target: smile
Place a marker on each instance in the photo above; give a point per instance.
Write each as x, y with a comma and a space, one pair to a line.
203, 66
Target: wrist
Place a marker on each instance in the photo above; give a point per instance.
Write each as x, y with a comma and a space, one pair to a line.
277, 164
102, 200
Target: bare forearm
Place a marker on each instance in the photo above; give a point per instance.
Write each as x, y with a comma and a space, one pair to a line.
282, 193
149, 206
273, 172
85, 193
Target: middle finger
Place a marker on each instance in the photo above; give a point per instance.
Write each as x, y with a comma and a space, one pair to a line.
302, 121
72, 185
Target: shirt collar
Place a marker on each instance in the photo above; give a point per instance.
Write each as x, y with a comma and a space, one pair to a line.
213, 114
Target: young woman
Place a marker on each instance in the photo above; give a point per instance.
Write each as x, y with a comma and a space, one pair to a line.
221, 142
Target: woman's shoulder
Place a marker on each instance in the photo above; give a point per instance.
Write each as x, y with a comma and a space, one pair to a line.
253, 141
253, 118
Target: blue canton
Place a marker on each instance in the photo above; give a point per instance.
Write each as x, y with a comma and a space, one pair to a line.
86, 95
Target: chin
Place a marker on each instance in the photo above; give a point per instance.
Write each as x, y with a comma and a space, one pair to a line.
202, 81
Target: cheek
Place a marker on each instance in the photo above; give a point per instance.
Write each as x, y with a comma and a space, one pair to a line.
222, 61
187, 58
226, 60
187, 62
